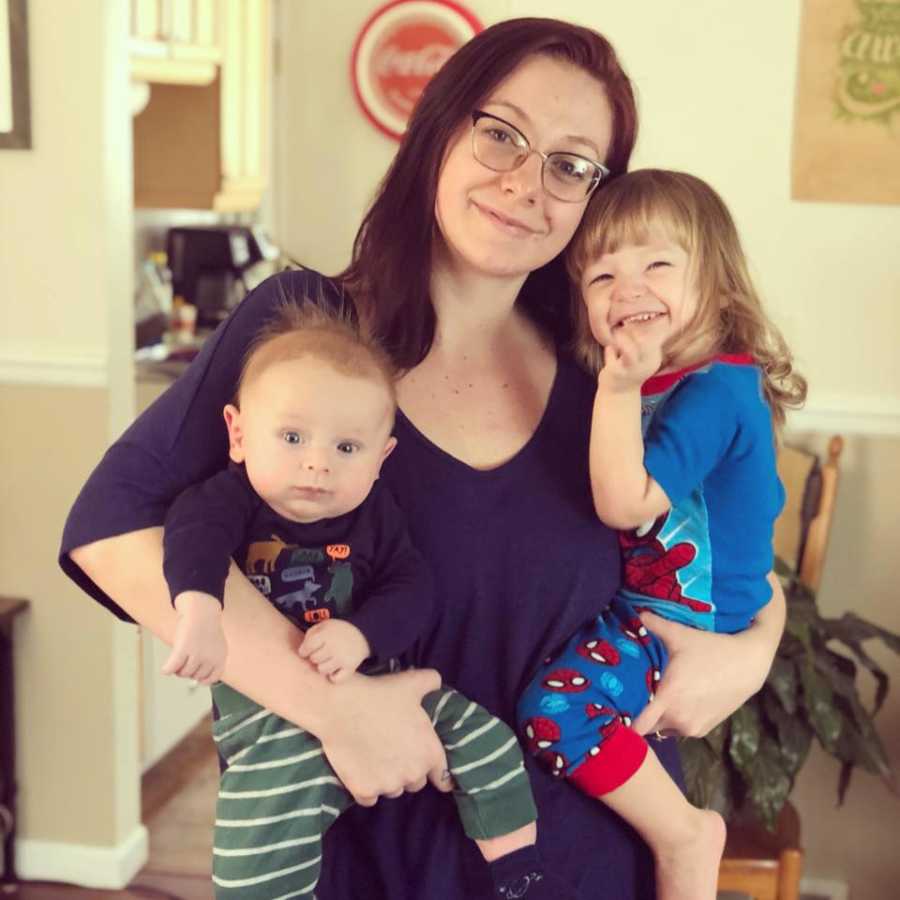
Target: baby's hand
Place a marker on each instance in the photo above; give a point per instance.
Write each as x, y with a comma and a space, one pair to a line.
629, 360
336, 648
199, 648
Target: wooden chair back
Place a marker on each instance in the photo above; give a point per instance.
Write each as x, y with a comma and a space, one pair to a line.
757, 864
802, 529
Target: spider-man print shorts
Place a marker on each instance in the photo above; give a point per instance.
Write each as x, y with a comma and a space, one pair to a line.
575, 715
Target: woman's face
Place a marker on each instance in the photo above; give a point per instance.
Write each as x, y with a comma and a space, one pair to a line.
504, 224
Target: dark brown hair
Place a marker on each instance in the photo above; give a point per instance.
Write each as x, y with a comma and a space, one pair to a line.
389, 276
730, 317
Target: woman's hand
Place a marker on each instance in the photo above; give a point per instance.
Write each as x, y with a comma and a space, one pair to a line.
379, 739
710, 675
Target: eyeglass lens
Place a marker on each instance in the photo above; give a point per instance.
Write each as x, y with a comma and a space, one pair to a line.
502, 148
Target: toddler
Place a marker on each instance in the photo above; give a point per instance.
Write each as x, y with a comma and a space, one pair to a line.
682, 461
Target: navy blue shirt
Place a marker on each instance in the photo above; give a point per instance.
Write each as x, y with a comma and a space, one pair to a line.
519, 559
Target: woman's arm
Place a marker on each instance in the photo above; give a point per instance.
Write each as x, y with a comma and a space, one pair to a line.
710, 675
373, 730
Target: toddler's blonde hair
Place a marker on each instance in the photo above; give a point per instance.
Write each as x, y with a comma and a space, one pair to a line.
729, 317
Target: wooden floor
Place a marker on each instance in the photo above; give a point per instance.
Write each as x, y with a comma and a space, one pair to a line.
178, 801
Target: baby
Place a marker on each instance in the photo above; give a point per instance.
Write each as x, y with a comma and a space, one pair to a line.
301, 511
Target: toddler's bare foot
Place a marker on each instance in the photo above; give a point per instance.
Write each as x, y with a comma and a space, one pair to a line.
689, 869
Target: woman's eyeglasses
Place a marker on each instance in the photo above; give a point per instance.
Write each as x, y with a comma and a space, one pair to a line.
501, 147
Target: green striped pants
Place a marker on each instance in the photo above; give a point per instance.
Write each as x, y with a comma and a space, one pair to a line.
279, 794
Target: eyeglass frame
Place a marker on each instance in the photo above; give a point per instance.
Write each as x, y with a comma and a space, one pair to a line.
600, 171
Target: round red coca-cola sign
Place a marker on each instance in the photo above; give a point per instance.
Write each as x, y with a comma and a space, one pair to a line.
398, 50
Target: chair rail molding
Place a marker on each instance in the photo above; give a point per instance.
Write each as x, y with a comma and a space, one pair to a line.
70, 370
848, 414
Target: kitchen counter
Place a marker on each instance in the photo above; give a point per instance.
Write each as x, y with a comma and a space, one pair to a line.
164, 363
162, 371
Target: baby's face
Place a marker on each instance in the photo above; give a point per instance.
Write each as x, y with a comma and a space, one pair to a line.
313, 440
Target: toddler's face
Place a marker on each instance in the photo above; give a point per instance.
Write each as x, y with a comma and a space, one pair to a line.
313, 440
648, 288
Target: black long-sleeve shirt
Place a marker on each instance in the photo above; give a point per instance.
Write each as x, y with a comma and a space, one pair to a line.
360, 566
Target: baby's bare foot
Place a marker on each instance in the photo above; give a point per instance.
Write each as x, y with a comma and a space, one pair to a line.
689, 870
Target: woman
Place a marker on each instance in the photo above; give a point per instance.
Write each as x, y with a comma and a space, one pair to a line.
456, 269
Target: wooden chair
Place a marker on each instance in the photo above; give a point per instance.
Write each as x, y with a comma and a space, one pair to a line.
756, 863
802, 529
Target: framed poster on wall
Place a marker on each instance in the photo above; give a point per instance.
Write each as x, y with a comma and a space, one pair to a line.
847, 113
15, 112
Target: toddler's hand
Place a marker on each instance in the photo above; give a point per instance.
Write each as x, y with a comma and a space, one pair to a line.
199, 648
336, 648
629, 360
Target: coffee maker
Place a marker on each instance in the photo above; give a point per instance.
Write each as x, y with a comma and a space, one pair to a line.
214, 267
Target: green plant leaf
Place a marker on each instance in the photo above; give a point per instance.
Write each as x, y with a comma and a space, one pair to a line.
749, 763
798, 628
839, 671
743, 742
794, 733
717, 737
784, 683
696, 758
859, 629
859, 743
818, 699
707, 777
768, 784
851, 630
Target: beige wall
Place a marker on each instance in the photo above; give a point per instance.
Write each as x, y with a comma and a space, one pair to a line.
65, 265
715, 82
76, 736
858, 843
327, 157
48, 218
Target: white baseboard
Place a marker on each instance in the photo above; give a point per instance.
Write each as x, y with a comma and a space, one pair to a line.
824, 887
87, 866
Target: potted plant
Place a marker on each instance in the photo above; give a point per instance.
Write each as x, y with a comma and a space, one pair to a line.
746, 767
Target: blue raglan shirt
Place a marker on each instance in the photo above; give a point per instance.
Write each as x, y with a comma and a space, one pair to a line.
519, 559
708, 443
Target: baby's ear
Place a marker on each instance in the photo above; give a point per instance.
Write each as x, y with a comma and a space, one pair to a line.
388, 449
235, 433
